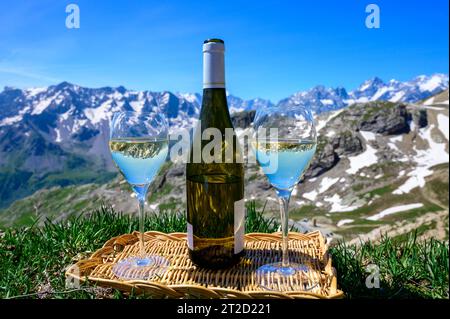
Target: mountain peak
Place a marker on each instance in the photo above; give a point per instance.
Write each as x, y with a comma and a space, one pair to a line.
64, 85
9, 88
318, 88
376, 79
121, 89
433, 83
371, 83
94, 104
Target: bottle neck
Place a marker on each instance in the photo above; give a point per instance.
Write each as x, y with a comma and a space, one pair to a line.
215, 95
213, 69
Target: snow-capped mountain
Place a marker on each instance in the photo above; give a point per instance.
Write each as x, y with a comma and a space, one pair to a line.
65, 128
236, 104
412, 91
322, 99
47, 132
91, 106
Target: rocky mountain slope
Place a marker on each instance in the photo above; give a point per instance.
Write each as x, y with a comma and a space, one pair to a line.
57, 136
372, 156
380, 166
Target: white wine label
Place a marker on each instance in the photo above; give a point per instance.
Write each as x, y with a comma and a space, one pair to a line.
190, 236
213, 65
239, 225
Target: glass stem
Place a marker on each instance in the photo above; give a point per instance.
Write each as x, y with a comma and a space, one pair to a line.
141, 226
141, 193
284, 197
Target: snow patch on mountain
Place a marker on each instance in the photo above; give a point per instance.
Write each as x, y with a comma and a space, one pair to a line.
138, 105
321, 123
429, 84
429, 101
96, 115
312, 195
365, 159
58, 136
342, 222
338, 206
191, 97
31, 92
40, 106
326, 183
326, 102
425, 159
63, 117
397, 96
393, 210
443, 124
11, 120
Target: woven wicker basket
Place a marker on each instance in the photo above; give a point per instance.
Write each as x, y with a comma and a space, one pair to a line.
185, 280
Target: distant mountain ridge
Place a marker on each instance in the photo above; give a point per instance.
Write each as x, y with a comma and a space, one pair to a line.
16, 102
322, 99
58, 135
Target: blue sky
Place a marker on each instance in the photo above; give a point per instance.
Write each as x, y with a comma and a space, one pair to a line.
274, 48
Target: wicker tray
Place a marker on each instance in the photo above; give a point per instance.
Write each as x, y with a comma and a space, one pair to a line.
184, 280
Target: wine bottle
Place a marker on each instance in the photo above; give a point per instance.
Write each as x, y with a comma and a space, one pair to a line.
215, 188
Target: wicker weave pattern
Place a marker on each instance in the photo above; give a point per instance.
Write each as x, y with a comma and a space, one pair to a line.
183, 279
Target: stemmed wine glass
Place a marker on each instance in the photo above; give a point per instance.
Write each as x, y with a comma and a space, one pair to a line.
139, 146
285, 143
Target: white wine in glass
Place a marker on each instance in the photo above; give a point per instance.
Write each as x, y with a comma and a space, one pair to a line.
139, 147
284, 156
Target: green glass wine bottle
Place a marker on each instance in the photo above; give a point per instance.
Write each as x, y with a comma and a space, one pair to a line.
215, 174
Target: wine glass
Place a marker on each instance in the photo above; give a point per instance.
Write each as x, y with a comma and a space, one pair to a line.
139, 146
285, 143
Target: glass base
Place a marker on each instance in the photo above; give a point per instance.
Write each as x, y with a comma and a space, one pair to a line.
141, 268
295, 277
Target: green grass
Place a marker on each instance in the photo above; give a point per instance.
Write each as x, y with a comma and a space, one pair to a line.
440, 189
256, 222
362, 225
421, 230
441, 166
407, 268
171, 205
358, 187
253, 177
26, 183
416, 212
33, 259
49, 203
304, 210
376, 107
386, 199
166, 189
80, 176
322, 141
381, 191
